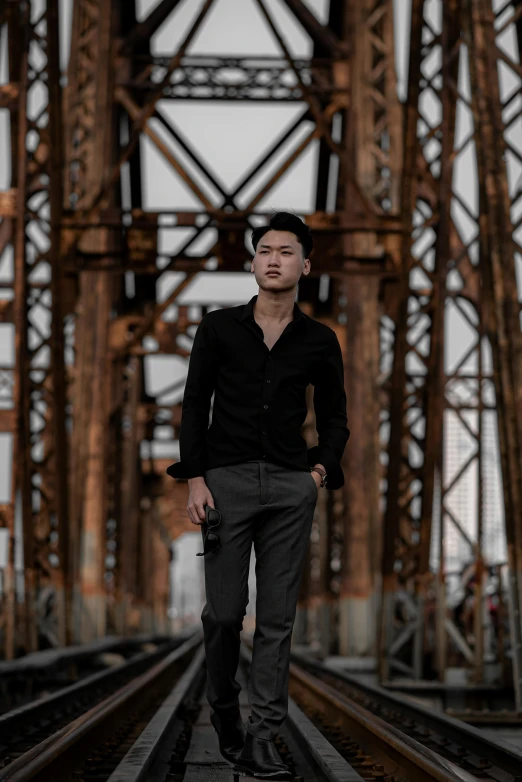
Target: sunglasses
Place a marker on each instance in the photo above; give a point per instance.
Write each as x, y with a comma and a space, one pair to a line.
211, 541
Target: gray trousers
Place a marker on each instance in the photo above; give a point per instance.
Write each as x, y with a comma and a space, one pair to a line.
271, 507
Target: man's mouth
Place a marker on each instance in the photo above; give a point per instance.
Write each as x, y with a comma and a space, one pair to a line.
272, 274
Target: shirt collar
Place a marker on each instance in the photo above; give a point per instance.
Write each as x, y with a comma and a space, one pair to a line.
248, 310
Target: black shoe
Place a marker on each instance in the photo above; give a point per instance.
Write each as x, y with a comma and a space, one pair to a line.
259, 758
231, 734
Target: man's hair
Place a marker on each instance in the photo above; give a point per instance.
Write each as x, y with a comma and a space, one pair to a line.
286, 221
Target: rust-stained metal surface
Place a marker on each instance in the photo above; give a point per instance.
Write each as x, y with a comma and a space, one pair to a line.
454, 239
405, 252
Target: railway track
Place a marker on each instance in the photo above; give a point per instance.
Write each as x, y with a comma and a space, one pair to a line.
37, 717
38, 674
464, 746
54, 730
138, 734
156, 728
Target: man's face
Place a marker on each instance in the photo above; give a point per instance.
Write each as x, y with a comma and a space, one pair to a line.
281, 252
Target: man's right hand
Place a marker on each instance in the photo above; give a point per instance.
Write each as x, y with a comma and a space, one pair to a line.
199, 496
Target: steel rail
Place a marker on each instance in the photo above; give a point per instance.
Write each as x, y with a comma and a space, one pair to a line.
397, 752
55, 659
137, 762
18, 718
64, 750
506, 757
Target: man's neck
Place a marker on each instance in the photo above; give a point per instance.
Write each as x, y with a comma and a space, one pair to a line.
275, 309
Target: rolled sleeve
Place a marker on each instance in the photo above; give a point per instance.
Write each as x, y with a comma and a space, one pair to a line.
199, 387
330, 415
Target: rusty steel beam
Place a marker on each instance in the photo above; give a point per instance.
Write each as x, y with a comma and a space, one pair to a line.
501, 296
143, 31
21, 441
92, 125
372, 130
131, 490
204, 78
362, 528
435, 378
39, 476
58, 443
18, 42
396, 455
326, 42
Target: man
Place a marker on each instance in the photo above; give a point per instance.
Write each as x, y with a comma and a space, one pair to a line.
253, 466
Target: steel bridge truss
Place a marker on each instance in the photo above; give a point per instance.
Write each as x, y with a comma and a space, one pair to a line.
407, 250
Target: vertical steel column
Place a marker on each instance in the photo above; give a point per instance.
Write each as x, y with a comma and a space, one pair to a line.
501, 296
395, 473
59, 442
39, 477
322, 602
92, 143
130, 487
22, 442
372, 133
357, 599
97, 305
434, 387
18, 43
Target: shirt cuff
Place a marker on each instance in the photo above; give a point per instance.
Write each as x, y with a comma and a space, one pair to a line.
334, 471
183, 470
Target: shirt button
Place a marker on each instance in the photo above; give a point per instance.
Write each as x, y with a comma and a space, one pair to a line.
266, 407
268, 381
264, 432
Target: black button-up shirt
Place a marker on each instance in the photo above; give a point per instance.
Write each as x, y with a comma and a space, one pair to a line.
260, 401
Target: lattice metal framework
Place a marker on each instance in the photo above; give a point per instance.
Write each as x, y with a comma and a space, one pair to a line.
36, 411
458, 268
